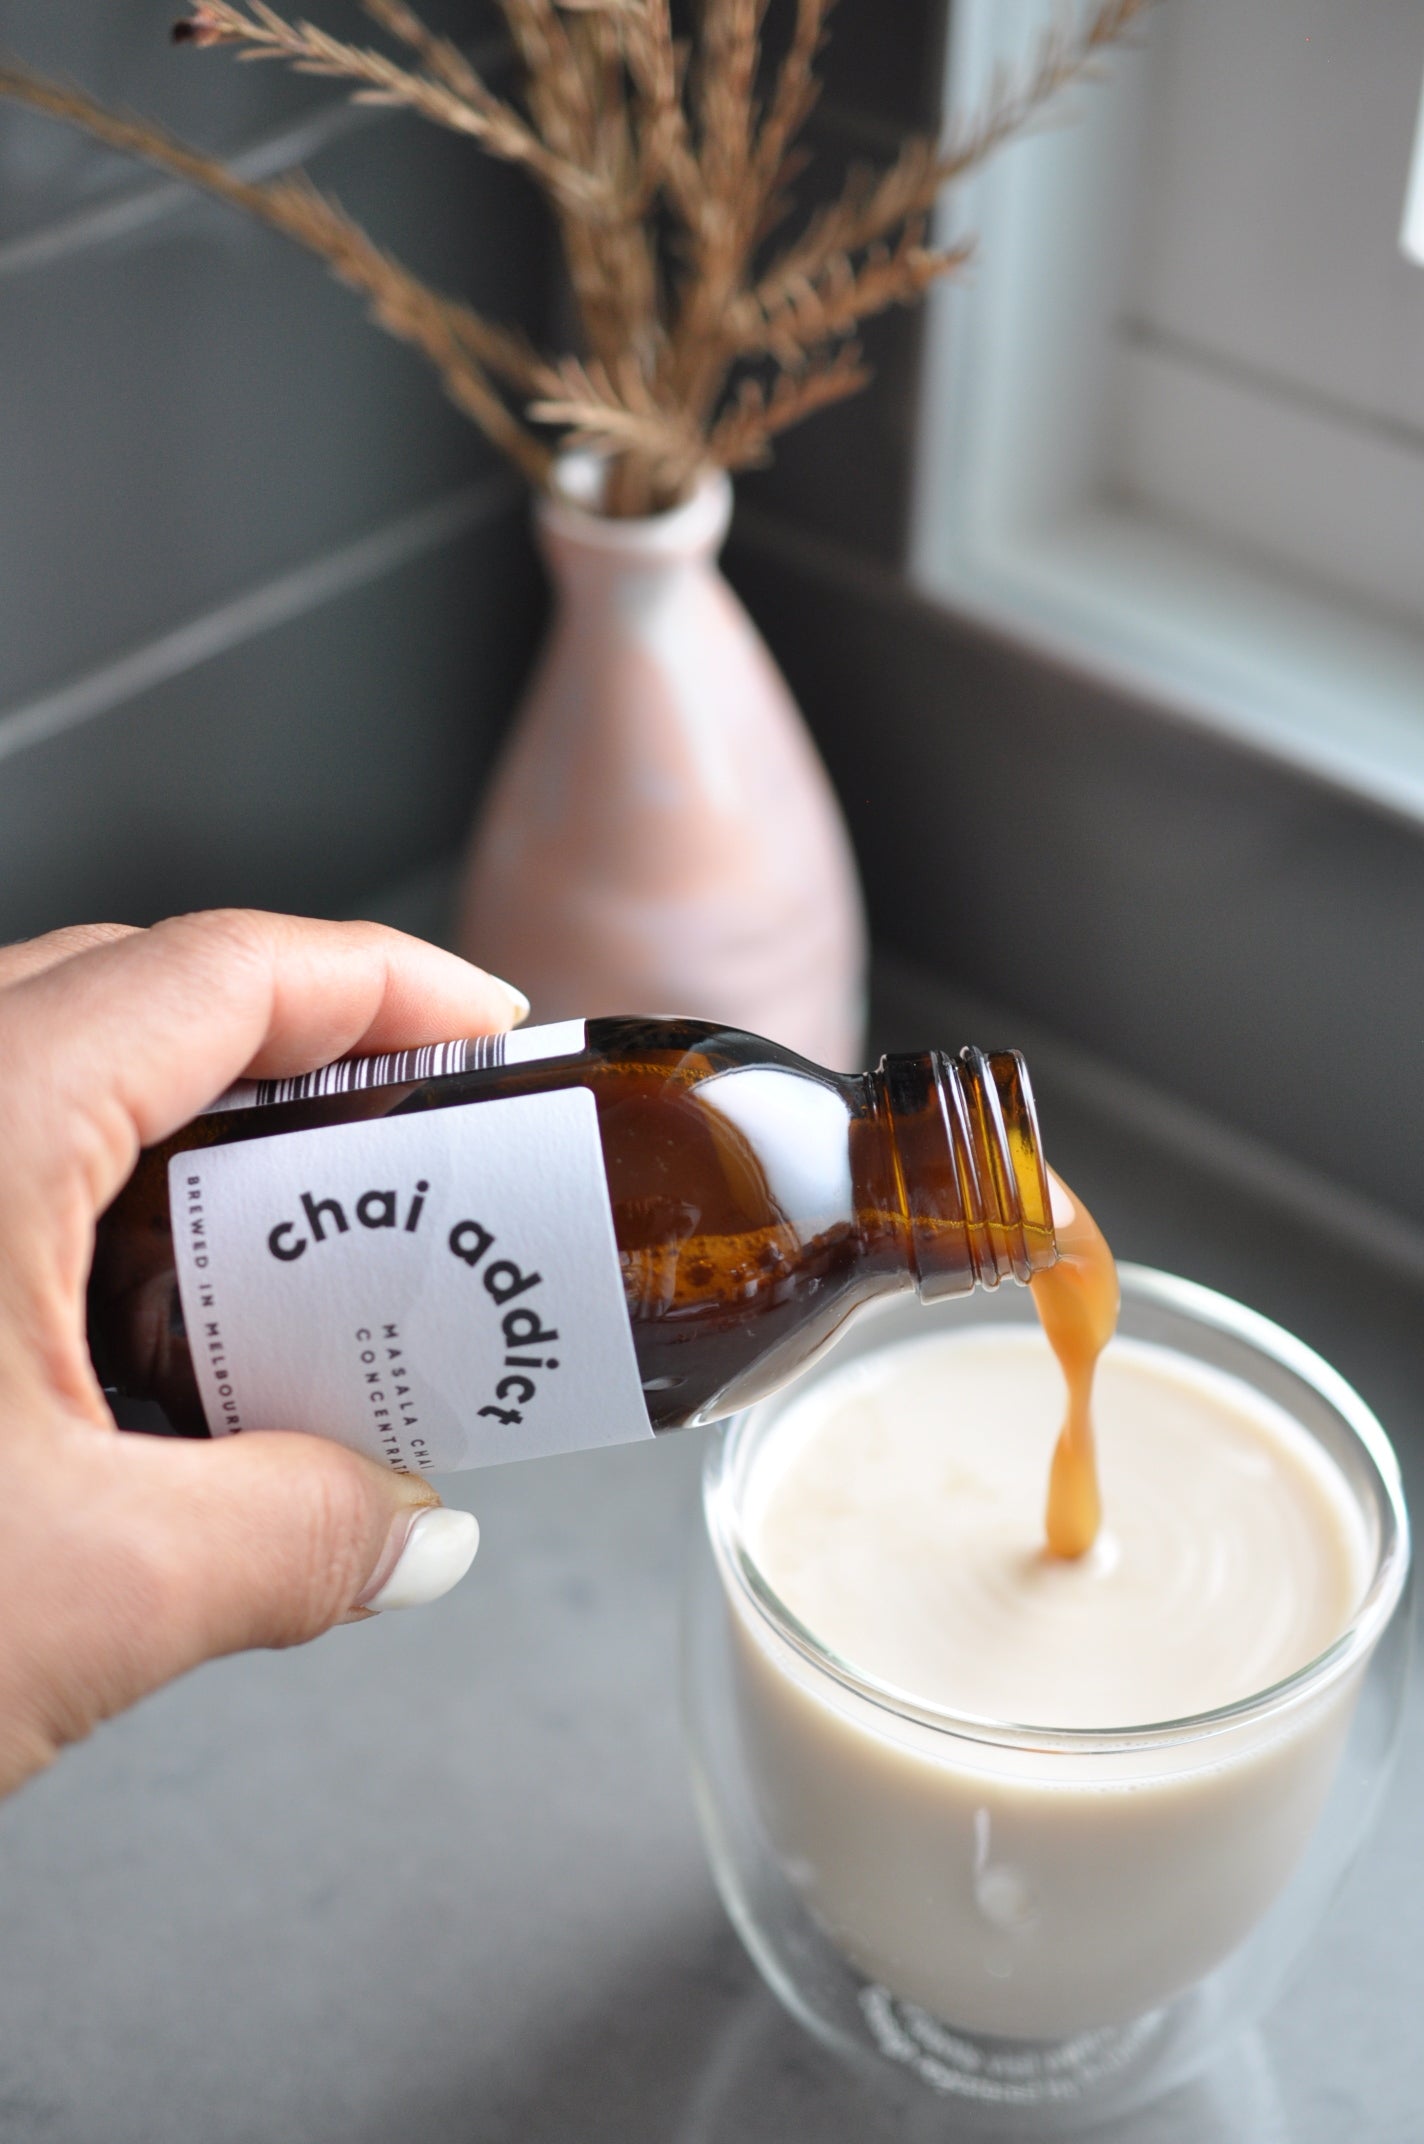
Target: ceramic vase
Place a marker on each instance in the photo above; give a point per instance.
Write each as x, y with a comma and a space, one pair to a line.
660, 835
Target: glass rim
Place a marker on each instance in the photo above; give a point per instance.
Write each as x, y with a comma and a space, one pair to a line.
1201, 1306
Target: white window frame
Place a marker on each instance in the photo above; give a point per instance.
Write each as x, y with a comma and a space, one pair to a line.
1015, 524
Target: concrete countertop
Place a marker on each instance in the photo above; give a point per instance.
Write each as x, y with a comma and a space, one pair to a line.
436, 1879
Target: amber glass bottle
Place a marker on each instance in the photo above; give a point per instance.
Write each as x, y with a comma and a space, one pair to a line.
552, 1238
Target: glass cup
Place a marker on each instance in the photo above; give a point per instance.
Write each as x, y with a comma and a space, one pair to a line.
856, 1835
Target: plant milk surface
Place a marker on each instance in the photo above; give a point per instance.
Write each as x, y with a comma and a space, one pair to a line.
898, 1514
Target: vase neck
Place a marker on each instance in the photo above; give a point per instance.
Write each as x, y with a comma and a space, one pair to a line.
581, 544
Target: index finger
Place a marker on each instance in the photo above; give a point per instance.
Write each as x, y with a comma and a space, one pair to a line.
119, 1045
31, 956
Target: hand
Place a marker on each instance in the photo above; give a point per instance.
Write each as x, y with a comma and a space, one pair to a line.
125, 1560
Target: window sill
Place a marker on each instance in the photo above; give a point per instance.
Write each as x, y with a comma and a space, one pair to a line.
1210, 638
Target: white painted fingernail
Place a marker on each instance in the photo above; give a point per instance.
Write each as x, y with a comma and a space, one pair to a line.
520, 1002
438, 1550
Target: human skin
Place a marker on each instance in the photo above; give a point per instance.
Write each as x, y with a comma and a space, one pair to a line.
125, 1560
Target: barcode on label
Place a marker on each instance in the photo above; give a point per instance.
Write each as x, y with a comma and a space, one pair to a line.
435, 1060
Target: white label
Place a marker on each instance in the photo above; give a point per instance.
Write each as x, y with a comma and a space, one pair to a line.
476, 1053
438, 1290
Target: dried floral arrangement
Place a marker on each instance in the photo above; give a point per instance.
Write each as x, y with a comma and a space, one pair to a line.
667, 163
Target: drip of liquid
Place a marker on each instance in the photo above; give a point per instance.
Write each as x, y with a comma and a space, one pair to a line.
1077, 1304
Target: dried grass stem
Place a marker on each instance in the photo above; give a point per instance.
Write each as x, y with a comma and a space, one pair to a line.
667, 170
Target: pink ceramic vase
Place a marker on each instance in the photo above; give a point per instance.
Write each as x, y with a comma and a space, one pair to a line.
660, 835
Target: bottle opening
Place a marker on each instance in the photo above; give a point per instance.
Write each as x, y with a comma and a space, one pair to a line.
971, 1169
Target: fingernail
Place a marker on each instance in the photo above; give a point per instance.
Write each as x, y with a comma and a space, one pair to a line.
437, 1550
517, 999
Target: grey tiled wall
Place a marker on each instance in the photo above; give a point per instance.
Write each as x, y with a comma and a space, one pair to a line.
846, 474
265, 600
264, 597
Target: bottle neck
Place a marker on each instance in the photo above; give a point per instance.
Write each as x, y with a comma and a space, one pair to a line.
972, 1186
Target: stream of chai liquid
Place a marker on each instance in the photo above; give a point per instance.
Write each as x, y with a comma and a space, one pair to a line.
1077, 1303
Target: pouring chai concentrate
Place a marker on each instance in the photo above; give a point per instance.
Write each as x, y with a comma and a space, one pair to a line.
899, 1512
1077, 1304
951, 1737
1025, 1771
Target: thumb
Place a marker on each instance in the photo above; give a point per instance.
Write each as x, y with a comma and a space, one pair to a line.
183, 1551
270, 1539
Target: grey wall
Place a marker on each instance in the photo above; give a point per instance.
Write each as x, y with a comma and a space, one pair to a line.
1191, 914
265, 601
264, 598
846, 474
263, 595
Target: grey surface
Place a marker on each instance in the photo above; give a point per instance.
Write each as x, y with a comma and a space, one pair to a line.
436, 1878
